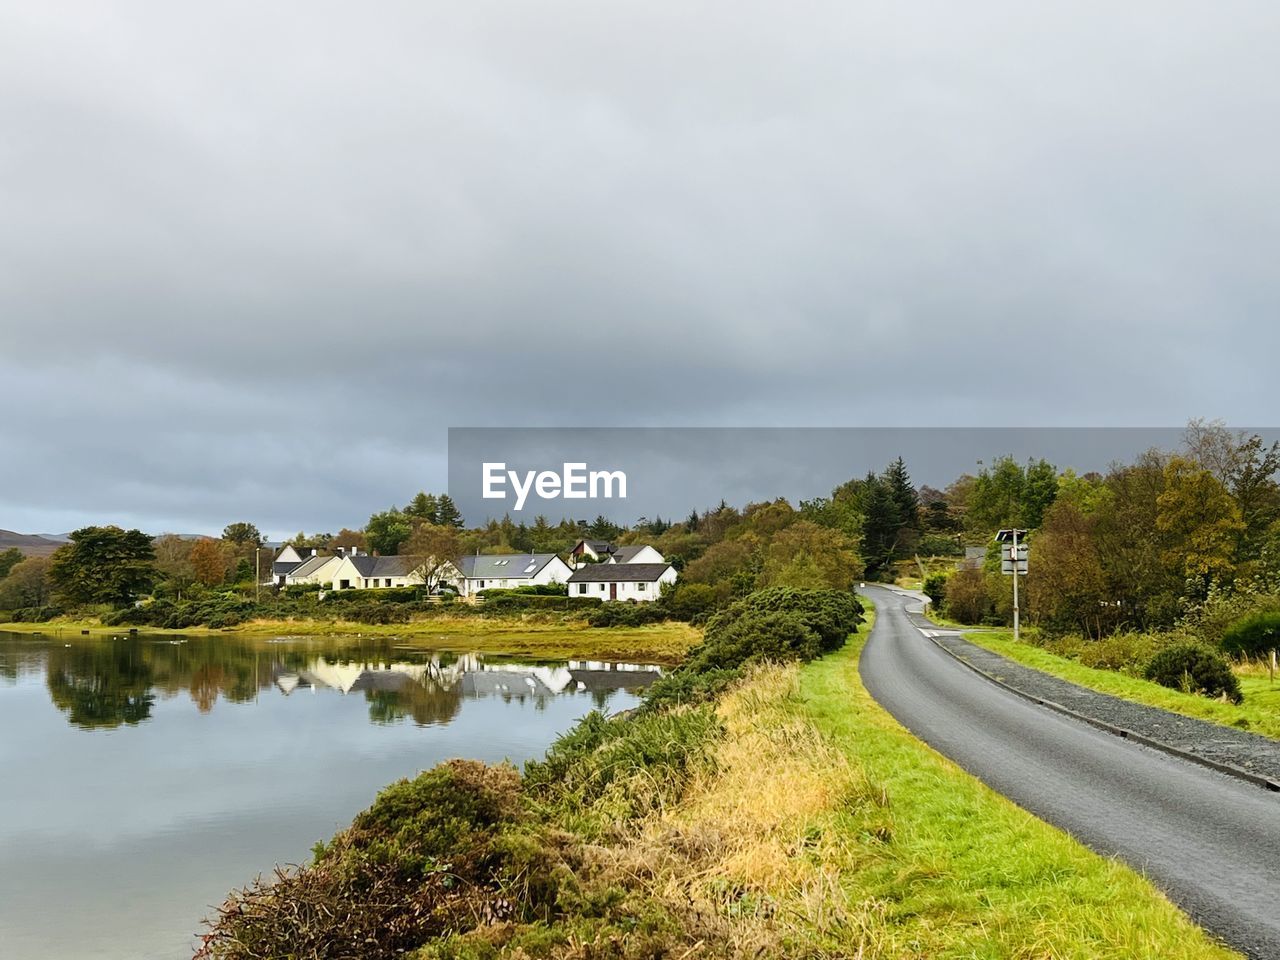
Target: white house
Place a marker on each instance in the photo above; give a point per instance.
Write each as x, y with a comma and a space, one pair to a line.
621, 581
602, 551
636, 553
507, 570
314, 570
379, 573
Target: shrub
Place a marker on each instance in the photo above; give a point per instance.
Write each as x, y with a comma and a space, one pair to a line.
36, 614
1194, 668
1255, 635
627, 614
433, 856
690, 601
831, 614
935, 588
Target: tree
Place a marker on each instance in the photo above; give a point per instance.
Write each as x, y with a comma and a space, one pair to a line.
1251, 479
211, 561
1257, 635
349, 539
880, 525
1011, 495
424, 506
904, 494
602, 528
1066, 586
104, 565
447, 512
242, 534
27, 585
809, 556
387, 531
173, 560
8, 560
439, 548
1202, 521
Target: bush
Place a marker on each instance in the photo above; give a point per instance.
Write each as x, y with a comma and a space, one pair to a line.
690, 601
1255, 635
377, 595
627, 614
519, 602
935, 545
36, 614
433, 856
935, 588
529, 590
831, 614
1194, 668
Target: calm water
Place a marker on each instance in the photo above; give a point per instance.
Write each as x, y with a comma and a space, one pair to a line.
141, 779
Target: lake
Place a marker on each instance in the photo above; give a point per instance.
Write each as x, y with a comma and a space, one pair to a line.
141, 778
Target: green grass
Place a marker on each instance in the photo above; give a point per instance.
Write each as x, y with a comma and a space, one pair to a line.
958, 871
1260, 712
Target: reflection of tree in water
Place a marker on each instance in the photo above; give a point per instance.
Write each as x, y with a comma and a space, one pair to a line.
100, 685
106, 683
425, 703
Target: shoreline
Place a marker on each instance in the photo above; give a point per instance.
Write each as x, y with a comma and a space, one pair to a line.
660, 644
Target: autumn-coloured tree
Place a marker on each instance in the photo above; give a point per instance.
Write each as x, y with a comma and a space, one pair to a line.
27, 585
809, 556
211, 561
1066, 586
1202, 521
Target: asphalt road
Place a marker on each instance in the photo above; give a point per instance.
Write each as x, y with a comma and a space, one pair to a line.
1210, 842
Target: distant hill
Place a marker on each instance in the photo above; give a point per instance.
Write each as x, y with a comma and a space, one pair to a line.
31, 544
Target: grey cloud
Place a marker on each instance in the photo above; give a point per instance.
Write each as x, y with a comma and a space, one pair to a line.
243, 243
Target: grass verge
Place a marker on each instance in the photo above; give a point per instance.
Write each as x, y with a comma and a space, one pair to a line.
948, 868
1259, 713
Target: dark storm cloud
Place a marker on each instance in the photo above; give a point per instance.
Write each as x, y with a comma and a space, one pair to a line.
254, 260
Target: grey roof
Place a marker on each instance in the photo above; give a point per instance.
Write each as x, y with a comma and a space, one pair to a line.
385, 566
624, 554
280, 567
504, 566
307, 566
616, 572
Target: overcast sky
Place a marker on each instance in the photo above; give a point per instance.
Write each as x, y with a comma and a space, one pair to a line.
256, 258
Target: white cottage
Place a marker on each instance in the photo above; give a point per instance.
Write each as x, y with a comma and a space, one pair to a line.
507, 570
621, 581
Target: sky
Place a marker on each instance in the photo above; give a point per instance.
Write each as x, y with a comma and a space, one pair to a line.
256, 259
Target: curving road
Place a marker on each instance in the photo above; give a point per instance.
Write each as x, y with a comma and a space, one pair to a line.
1210, 842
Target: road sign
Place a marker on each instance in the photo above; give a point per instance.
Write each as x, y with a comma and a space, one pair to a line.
1008, 561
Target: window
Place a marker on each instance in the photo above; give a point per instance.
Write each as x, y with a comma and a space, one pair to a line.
480, 585
582, 588
640, 587
388, 583
602, 588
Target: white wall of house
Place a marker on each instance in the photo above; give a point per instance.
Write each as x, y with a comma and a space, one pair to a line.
639, 590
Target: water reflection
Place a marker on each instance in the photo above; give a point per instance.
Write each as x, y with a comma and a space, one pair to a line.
109, 683
141, 778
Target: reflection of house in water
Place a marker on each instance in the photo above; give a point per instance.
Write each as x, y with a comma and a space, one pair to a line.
402, 684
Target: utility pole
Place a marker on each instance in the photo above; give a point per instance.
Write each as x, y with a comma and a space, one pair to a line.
1013, 551
1014, 564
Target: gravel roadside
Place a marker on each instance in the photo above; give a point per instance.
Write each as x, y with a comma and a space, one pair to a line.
1258, 755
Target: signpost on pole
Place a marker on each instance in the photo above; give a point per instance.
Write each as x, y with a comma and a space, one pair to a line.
1013, 563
